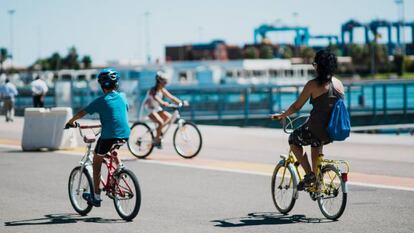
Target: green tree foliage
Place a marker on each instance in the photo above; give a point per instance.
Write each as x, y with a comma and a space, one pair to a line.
57, 62
86, 62
286, 52
3, 58
360, 55
71, 60
334, 49
408, 64
381, 55
399, 63
251, 53
370, 57
307, 54
266, 52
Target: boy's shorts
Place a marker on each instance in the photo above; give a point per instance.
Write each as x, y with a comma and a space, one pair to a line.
103, 146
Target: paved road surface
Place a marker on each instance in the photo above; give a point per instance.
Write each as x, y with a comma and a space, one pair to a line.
225, 189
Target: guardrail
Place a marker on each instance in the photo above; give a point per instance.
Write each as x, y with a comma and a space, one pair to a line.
224, 102
362, 99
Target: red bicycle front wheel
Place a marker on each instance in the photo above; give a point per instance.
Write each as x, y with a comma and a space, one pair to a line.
127, 195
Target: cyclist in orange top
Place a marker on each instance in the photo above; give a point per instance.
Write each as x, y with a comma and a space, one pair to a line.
313, 132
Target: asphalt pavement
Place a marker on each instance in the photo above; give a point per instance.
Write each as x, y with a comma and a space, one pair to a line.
182, 199
224, 189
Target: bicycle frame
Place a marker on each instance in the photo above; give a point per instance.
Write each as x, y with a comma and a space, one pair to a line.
175, 117
341, 165
112, 163
330, 183
85, 163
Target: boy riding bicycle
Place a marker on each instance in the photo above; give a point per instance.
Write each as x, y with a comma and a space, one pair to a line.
112, 108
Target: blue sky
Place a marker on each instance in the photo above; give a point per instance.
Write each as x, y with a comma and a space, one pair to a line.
114, 29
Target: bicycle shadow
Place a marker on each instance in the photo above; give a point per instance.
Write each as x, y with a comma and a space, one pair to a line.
266, 218
51, 219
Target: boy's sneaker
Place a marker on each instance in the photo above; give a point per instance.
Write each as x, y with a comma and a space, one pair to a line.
307, 181
91, 201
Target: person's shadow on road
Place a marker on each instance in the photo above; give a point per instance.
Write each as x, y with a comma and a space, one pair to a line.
254, 219
60, 219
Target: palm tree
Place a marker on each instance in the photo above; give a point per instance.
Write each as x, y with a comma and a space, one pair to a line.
71, 60
55, 61
87, 62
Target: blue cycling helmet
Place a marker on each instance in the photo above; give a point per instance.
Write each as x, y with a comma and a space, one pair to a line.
108, 78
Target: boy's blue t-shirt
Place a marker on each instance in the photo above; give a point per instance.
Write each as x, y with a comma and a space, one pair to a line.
113, 113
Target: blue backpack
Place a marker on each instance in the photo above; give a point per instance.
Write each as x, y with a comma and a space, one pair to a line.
339, 125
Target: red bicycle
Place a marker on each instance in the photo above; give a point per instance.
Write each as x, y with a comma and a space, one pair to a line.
121, 184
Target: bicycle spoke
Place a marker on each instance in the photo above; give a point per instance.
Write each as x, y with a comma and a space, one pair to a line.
126, 200
140, 142
187, 140
332, 200
79, 183
283, 189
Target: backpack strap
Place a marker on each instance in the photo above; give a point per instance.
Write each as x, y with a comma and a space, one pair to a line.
331, 90
333, 93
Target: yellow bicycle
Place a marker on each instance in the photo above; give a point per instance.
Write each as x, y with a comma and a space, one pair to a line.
330, 189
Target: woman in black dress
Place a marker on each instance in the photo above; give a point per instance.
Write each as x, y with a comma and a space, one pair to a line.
323, 91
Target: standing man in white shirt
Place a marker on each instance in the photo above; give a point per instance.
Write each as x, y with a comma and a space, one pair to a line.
7, 92
39, 90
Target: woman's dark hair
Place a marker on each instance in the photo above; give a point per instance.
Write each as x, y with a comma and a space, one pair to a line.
159, 78
326, 66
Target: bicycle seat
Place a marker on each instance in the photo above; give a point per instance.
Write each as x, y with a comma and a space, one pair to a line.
89, 138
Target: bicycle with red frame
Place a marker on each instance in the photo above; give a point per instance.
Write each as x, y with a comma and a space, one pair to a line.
119, 183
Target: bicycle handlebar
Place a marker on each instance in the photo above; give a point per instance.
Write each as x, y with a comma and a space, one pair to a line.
287, 123
68, 126
180, 105
90, 126
77, 125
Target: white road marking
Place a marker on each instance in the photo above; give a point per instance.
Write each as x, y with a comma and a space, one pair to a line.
177, 164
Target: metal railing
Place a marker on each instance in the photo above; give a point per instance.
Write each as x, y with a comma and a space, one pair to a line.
249, 102
370, 98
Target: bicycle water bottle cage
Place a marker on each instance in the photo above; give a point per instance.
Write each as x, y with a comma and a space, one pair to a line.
89, 138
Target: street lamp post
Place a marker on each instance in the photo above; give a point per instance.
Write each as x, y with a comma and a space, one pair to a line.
147, 37
200, 33
295, 18
401, 16
11, 13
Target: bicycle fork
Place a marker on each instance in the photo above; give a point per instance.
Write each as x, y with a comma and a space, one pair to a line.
289, 163
85, 163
